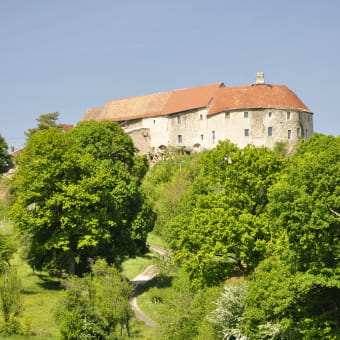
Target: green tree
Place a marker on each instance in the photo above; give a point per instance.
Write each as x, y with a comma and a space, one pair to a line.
166, 185
282, 303
10, 300
5, 158
78, 196
45, 121
184, 311
224, 227
302, 206
95, 305
296, 293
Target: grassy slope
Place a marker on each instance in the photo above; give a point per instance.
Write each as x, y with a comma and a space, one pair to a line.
40, 295
155, 240
134, 266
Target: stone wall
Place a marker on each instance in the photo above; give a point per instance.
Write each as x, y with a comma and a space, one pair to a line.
197, 131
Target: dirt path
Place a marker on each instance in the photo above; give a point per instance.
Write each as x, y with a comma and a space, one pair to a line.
141, 279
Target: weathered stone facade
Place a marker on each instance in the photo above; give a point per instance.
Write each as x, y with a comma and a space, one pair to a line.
198, 118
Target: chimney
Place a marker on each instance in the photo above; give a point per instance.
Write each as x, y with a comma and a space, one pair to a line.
259, 78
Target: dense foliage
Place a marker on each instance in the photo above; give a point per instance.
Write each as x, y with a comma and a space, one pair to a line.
216, 222
271, 218
298, 289
95, 306
77, 196
5, 159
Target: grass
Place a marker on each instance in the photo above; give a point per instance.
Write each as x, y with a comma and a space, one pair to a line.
155, 240
25, 337
151, 293
40, 295
141, 332
134, 266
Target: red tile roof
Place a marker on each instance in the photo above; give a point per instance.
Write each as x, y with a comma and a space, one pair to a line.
255, 96
220, 98
188, 99
162, 103
65, 127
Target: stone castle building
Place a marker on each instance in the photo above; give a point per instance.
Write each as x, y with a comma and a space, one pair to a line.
197, 118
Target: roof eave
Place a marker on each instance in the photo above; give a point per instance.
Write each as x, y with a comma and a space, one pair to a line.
259, 108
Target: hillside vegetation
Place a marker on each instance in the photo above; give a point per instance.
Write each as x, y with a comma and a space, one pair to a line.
254, 239
229, 213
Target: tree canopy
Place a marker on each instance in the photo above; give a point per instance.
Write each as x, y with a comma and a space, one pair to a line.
78, 196
93, 307
273, 218
45, 121
225, 229
5, 158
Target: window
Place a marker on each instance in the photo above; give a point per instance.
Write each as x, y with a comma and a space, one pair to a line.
213, 135
306, 133
178, 119
269, 114
201, 117
227, 115
154, 122
289, 134
298, 132
270, 131
179, 139
202, 137
246, 132
300, 115
245, 114
288, 115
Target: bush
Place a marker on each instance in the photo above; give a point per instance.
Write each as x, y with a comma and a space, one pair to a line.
10, 300
95, 306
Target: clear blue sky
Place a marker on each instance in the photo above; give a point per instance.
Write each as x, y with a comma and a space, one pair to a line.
69, 55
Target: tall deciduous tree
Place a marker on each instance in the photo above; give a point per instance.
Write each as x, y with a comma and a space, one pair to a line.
297, 292
78, 196
226, 228
302, 206
5, 159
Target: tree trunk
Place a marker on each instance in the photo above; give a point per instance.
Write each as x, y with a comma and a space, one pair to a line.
71, 263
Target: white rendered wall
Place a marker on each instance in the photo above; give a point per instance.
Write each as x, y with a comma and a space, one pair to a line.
195, 129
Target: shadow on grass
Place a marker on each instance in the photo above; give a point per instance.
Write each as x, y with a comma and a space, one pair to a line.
48, 283
156, 282
51, 285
